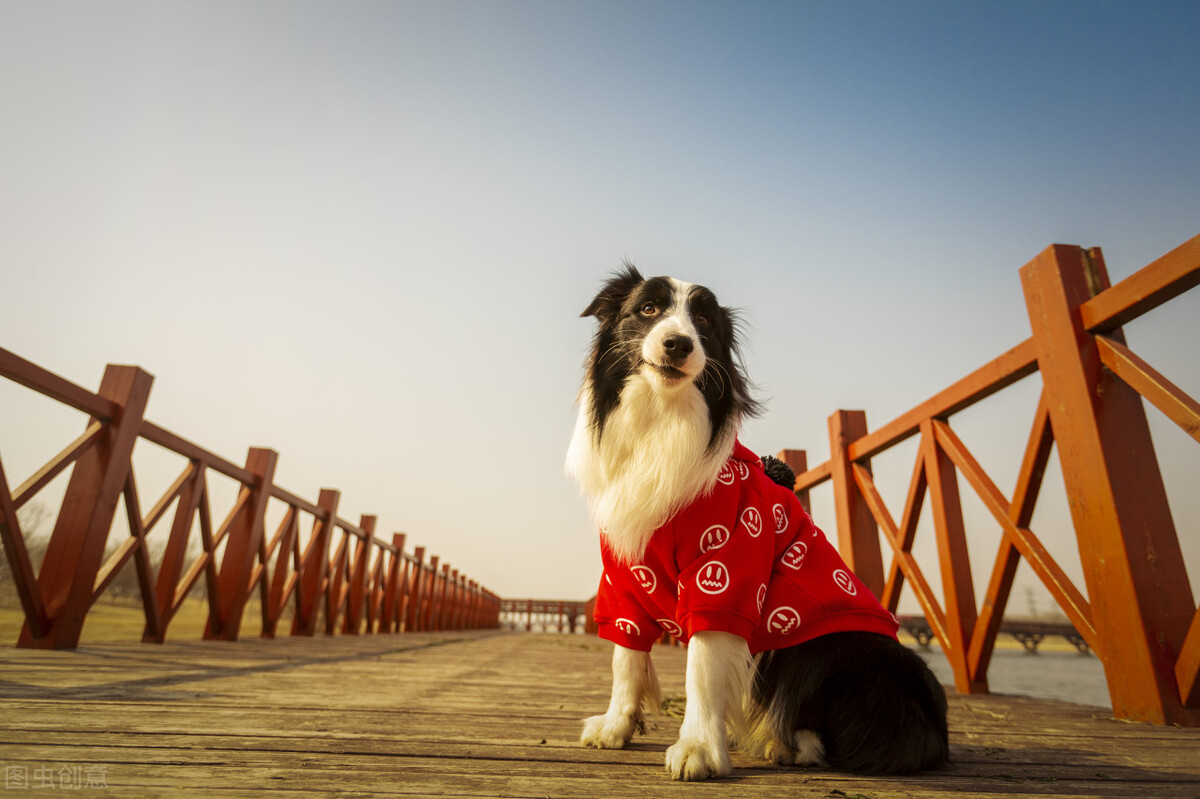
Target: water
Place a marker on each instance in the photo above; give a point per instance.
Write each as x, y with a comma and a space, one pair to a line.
1049, 674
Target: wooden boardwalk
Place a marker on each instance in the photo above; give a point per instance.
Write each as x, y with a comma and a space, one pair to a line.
475, 714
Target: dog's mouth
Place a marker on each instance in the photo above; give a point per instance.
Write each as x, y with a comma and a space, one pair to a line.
669, 373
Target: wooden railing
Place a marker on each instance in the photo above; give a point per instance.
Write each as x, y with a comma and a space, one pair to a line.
1139, 616
343, 579
544, 615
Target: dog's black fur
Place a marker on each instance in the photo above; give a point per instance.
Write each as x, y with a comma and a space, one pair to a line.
838, 684
875, 704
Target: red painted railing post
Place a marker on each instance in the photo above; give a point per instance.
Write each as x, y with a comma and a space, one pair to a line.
352, 622
449, 596
433, 596
314, 564
415, 619
858, 535
374, 586
457, 606
473, 605
390, 614
797, 459
244, 542
447, 599
76, 549
468, 598
335, 584
1137, 583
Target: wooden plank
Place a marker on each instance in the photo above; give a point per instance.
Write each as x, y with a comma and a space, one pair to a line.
484, 714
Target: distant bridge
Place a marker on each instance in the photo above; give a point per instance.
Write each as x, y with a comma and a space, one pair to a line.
1029, 633
544, 615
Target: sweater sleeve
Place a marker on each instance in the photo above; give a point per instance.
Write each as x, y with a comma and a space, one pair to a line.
620, 618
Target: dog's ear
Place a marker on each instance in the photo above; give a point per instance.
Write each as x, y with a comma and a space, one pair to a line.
607, 304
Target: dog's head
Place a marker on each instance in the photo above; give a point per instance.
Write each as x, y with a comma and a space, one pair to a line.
673, 335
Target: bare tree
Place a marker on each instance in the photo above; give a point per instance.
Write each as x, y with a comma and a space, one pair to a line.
34, 520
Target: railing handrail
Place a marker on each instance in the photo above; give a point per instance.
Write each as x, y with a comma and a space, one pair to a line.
374, 581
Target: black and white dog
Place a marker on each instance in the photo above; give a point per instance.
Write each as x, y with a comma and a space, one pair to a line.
659, 411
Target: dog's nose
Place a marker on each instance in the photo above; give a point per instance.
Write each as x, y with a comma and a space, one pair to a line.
678, 348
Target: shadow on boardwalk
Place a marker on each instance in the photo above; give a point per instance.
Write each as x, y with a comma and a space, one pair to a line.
476, 714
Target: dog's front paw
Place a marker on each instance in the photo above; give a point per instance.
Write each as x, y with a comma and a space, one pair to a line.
698, 759
610, 732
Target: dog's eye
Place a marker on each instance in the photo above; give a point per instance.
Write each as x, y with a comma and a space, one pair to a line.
649, 309
702, 321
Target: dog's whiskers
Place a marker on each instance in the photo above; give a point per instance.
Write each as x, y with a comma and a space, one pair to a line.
719, 372
616, 354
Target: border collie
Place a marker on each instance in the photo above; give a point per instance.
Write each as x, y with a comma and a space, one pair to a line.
788, 653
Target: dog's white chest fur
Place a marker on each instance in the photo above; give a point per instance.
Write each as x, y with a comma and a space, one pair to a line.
652, 460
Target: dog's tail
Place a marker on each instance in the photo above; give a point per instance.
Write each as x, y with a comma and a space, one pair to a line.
779, 471
875, 705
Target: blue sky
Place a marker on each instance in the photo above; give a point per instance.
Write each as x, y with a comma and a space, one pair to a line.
361, 233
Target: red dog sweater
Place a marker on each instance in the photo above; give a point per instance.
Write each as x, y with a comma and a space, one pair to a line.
744, 559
